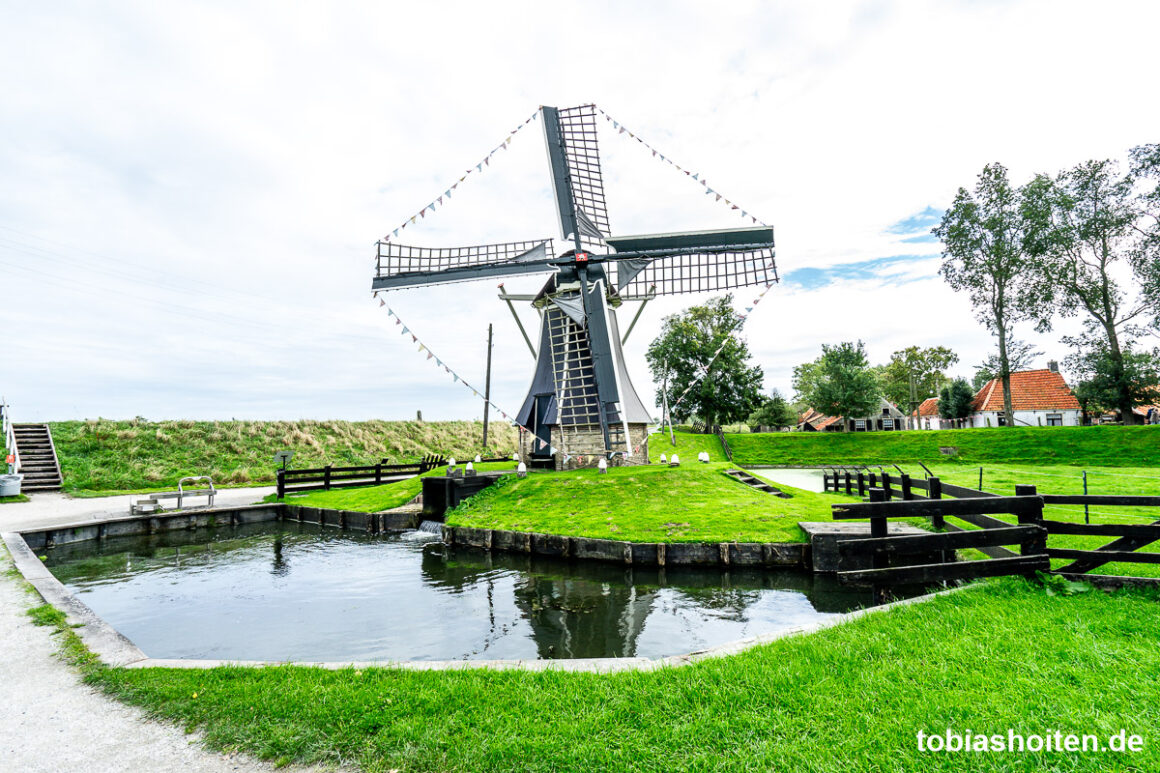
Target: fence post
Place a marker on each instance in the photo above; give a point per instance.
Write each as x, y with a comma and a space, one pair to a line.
878, 524
326, 477
904, 484
935, 492
1086, 515
861, 483
1033, 514
849, 489
886, 485
379, 472
281, 483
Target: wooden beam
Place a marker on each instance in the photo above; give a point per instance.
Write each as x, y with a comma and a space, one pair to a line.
1100, 499
1139, 530
1127, 556
928, 508
962, 570
908, 544
1094, 562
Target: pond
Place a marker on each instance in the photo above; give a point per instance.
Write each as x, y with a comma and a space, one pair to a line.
295, 592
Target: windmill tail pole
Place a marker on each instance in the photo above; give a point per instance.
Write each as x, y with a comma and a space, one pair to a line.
487, 386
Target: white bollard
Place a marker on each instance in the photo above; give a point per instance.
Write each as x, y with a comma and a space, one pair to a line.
675, 461
602, 465
522, 470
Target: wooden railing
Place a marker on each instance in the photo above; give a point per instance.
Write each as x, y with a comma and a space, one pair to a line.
330, 477
895, 496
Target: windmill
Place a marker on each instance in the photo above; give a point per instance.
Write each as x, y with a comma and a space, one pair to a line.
581, 404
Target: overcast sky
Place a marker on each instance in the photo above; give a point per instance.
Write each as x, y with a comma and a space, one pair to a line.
190, 193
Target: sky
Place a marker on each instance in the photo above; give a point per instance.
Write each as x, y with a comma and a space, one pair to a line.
190, 194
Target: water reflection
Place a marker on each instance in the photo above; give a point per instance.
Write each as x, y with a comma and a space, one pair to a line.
300, 592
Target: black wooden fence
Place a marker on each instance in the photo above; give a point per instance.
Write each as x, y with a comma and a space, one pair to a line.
330, 477
896, 496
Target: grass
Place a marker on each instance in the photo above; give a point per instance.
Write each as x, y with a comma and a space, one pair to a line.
374, 499
1109, 446
138, 455
1001, 656
13, 499
692, 503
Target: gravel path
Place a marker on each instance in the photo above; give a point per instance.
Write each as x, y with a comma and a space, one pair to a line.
49, 720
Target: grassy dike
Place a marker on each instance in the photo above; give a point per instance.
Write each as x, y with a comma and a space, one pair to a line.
1004, 655
111, 456
1107, 446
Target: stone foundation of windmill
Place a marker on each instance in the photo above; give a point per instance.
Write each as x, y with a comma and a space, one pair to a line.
584, 446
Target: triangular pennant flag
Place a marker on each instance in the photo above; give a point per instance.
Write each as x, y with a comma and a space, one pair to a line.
383, 303
414, 338
440, 199
718, 197
413, 219
454, 377
405, 330
423, 212
748, 309
398, 321
422, 347
396, 232
438, 364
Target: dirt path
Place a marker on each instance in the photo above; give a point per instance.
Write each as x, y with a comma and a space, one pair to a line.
49, 720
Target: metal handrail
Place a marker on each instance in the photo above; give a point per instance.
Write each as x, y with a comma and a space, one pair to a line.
181, 489
9, 433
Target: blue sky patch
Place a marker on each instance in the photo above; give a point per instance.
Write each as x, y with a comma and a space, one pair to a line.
918, 223
875, 269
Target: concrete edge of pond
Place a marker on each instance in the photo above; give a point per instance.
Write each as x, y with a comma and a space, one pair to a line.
784, 555
109, 644
114, 649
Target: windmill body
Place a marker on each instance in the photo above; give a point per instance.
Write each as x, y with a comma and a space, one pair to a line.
581, 405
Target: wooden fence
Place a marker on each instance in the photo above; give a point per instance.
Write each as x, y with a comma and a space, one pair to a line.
896, 496
330, 477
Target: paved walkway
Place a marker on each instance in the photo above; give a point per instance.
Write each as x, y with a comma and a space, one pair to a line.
54, 509
49, 720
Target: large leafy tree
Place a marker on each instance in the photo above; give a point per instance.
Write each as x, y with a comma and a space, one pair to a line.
1020, 356
1145, 176
843, 383
1086, 226
1104, 379
954, 400
984, 255
725, 386
774, 411
915, 373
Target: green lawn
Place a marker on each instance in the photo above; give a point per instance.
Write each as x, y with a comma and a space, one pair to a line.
374, 499
13, 499
106, 456
692, 503
1108, 446
1000, 656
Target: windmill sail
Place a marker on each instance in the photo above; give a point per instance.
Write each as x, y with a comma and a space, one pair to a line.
574, 155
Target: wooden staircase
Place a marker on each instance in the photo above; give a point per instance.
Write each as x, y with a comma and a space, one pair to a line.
38, 463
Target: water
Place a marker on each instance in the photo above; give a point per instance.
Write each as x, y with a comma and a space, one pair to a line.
284, 591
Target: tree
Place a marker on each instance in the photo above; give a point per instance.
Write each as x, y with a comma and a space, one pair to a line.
1020, 356
845, 384
1145, 176
725, 388
954, 400
1085, 224
984, 255
1104, 379
774, 411
914, 374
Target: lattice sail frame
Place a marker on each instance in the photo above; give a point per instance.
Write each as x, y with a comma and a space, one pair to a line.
399, 259
704, 272
582, 155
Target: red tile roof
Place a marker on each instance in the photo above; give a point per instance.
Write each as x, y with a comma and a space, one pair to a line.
1031, 390
929, 407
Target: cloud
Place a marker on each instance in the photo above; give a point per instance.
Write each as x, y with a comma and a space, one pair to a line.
190, 194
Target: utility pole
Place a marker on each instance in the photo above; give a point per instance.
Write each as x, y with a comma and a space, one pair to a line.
487, 386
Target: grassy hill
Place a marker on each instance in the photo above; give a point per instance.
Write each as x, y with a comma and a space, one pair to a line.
105, 455
1106, 446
